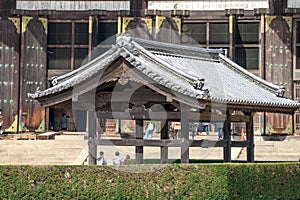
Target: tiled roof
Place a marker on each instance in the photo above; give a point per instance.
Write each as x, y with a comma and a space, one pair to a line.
194, 72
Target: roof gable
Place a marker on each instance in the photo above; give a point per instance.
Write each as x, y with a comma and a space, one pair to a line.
197, 73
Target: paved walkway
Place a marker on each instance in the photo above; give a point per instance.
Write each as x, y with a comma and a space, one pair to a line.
173, 152
71, 148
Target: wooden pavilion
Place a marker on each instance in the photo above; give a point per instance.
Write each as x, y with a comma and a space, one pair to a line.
141, 80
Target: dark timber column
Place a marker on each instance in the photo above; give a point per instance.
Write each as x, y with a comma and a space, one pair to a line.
184, 134
7, 4
139, 135
227, 139
164, 135
233, 16
263, 46
138, 7
250, 138
92, 135
277, 7
231, 37
279, 60
93, 36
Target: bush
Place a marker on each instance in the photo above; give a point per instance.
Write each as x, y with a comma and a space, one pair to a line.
176, 181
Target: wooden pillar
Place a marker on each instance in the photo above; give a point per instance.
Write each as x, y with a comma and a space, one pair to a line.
263, 59
92, 136
7, 4
184, 120
139, 150
138, 7
250, 138
227, 139
164, 135
262, 47
231, 37
277, 7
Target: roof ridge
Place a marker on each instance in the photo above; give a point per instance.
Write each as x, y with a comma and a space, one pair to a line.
179, 48
201, 93
186, 56
189, 77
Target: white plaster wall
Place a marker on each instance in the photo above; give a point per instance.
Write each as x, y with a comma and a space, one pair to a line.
208, 4
73, 5
152, 5
293, 4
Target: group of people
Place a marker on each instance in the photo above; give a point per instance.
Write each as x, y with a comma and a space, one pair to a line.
117, 160
175, 128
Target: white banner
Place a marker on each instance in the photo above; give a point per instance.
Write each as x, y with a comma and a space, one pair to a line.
208, 5
73, 5
293, 4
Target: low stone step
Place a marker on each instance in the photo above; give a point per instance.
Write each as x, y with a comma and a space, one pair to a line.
276, 158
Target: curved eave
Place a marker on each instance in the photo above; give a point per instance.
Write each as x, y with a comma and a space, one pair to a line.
76, 79
277, 107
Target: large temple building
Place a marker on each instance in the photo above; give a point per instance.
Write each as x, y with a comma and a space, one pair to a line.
43, 43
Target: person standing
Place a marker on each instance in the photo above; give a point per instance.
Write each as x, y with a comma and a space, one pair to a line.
1, 121
195, 130
206, 128
177, 128
64, 122
117, 159
149, 130
101, 160
172, 130
219, 126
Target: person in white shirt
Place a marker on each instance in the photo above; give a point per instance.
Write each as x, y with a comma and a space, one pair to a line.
117, 160
149, 131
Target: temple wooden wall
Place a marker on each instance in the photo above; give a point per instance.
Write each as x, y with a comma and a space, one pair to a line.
9, 68
33, 67
278, 62
25, 72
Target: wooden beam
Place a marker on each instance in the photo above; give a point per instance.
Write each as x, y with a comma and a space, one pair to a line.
55, 99
175, 116
138, 142
171, 115
168, 143
207, 117
107, 97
